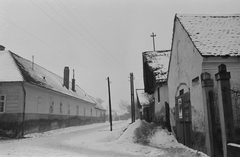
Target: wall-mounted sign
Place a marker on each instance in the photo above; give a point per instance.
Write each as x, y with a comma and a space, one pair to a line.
180, 108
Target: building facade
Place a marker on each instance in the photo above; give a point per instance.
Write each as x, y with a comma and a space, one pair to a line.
200, 44
34, 99
155, 71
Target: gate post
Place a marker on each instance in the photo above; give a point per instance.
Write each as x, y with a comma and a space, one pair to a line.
225, 106
207, 86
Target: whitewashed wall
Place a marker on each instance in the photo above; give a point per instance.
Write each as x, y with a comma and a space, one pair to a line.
160, 106
185, 65
38, 101
14, 97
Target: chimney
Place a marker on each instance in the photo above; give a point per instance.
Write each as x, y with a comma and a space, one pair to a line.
66, 77
73, 82
2, 48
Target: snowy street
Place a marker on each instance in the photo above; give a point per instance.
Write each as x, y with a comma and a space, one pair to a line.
94, 140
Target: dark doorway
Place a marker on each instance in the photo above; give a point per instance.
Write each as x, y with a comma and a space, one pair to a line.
184, 119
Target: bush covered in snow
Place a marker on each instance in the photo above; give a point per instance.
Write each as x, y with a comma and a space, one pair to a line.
144, 132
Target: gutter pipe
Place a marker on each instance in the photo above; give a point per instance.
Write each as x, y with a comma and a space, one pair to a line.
24, 106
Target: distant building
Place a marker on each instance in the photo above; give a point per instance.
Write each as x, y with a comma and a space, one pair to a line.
200, 43
33, 99
145, 104
155, 71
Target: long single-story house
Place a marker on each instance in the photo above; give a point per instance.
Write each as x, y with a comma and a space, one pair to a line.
33, 99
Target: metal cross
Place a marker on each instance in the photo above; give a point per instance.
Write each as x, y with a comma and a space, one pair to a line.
153, 35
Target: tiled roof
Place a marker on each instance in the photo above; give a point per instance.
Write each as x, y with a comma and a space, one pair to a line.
158, 62
17, 69
213, 35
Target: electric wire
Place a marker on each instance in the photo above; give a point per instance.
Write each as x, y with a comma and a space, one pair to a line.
48, 44
71, 33
107, 51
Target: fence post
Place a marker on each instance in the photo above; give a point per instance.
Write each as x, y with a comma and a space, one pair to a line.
225, 106
207, 86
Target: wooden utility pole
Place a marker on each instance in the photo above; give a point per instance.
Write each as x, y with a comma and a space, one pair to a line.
110, 108
153, 35
132, 97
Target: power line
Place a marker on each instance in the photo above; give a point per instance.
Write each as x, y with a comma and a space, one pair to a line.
47, 44
94, 36
78, 32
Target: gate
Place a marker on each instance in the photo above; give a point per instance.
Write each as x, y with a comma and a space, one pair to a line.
184, 119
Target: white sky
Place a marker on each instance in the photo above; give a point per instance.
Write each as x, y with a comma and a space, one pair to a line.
97, 38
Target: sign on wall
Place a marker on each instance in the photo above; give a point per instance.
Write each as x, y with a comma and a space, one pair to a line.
180, 108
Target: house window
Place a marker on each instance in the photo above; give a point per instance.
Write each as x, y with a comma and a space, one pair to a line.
158, 92
181, 92
51, 106
195, 81
68, 109
2, 103
60, 109
77, 110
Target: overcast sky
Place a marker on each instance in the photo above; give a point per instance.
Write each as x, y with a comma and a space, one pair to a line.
96, 38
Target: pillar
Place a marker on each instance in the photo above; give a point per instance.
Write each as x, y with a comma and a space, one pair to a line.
207, 86
225, 106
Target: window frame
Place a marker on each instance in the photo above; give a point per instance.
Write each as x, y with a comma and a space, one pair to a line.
51, 107
77, 110
4, 103
60, 108
158, 93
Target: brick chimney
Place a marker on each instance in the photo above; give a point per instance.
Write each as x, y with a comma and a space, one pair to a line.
73, 82
2, 48
66, 77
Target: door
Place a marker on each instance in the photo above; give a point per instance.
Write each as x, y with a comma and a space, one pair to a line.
184, 119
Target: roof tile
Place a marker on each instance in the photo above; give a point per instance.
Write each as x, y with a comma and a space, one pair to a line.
213, 35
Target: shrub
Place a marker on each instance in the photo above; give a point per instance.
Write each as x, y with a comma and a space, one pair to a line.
143, 133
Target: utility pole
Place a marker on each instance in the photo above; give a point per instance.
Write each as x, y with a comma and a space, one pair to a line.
132, 98
110, 108
153, 35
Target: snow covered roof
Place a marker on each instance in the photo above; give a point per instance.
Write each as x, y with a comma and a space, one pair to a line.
17, 69
144, 98
158, 62
213, 35
98, 105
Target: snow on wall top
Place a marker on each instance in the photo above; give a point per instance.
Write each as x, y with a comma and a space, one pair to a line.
144, 98
158, 62
213, 35
20, 69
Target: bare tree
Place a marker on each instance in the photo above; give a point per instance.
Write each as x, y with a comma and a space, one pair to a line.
125, 106
99, 100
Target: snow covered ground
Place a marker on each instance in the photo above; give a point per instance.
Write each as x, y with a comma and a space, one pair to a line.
95, 140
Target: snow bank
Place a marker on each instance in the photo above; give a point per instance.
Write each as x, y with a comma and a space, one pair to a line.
164, 138
162, 142
128, 135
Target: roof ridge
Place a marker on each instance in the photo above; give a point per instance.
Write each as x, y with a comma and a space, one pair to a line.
209, 15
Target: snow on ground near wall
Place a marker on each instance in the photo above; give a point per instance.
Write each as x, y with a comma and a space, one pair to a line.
120, 139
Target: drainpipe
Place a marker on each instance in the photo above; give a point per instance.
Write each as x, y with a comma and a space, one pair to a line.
24, 106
